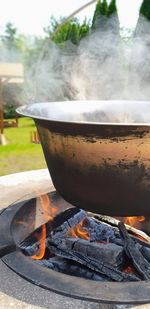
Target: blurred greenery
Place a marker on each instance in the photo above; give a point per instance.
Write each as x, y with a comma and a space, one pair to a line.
20, 154
72, 31
9, 111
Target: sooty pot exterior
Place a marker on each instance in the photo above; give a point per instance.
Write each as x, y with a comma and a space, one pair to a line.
103, 169
96, 161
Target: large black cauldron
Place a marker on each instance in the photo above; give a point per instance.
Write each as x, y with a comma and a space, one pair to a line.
98, 153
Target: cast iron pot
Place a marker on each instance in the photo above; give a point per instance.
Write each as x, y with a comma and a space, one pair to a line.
97, 153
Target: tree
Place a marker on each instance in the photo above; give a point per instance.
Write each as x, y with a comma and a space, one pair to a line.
102, 12
12, 44
10, 36
142, 28
145, 9
11, 39
71, 31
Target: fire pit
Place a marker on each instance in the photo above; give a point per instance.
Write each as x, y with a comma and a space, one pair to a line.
97, 153
17, 225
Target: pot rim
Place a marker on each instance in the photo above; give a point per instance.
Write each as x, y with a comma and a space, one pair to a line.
28, 111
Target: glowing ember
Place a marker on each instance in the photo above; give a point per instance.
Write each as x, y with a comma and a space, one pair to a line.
129, 269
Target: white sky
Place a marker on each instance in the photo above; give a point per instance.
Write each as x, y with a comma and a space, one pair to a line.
30, 16
128, 11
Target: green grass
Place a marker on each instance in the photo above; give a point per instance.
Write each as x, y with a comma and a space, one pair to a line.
20, 154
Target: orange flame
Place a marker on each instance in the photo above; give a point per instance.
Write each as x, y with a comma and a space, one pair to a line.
42, 245
134, 221
48, 210
79, 231
48, 213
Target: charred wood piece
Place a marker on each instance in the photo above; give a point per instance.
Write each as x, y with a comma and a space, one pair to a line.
59, 226
146, 253
102, 218
99, 267
141, 265
139, 236
59, 232
71, 268
107, 252
99, 231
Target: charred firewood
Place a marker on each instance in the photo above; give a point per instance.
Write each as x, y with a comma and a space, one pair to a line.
146, 253
99, 231
59, 226
102, 218
59, 232
65, 221
106, 252
140, 236
97, 266
141, 265
136, 234
71, 268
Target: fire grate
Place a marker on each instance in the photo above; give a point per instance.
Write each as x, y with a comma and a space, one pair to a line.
14, 229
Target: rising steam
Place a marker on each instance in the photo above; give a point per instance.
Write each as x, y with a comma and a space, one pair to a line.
103, 66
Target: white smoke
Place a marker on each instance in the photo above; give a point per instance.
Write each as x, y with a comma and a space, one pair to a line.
103, 66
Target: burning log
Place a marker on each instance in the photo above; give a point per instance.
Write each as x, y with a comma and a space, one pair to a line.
138, 235
107, 252
99, 231
59, 226
65, 222
74, 269
134, 254
97, 266
101, 253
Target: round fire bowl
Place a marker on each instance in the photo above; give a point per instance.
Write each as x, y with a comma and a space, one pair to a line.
19, 220
97, 153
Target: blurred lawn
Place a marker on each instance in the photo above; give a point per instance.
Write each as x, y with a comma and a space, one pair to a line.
20, 154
